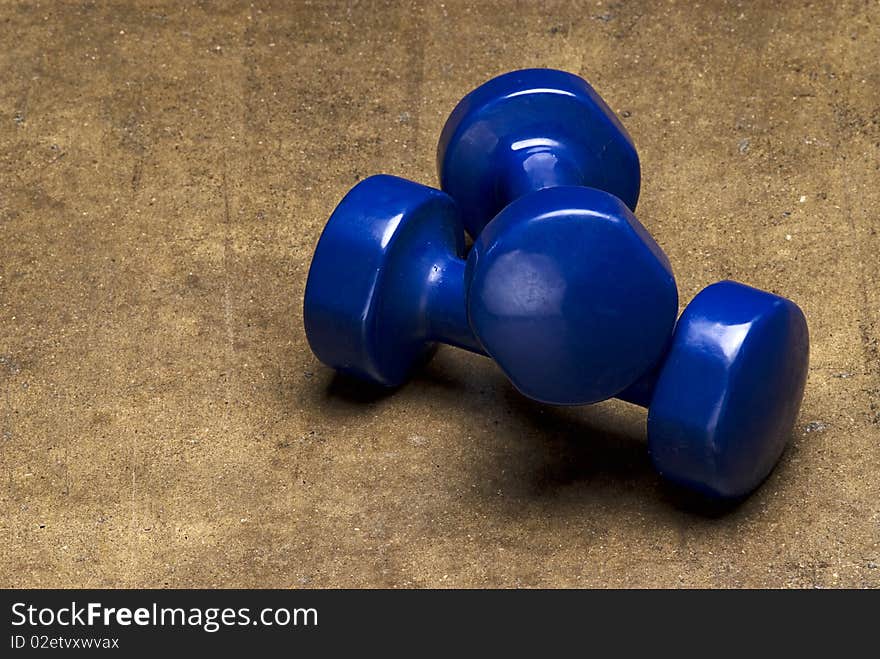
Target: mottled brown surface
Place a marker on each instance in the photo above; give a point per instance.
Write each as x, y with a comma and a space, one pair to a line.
165, 172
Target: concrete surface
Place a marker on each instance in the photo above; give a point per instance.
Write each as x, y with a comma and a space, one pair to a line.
165, 171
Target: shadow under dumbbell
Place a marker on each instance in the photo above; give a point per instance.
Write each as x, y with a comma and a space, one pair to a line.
580, 444
350, 389
597, 452
585, 445
353, 390
692, 502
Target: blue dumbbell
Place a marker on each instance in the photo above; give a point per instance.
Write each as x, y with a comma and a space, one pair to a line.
565, 290
387, 281
529, 130
723, 401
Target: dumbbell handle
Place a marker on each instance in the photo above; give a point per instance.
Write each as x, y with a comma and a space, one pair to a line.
445, 306
534, 164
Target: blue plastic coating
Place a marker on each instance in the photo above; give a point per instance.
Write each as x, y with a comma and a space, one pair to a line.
528, 130
386, 281
722, 405
570, 295
542, 292
724, 400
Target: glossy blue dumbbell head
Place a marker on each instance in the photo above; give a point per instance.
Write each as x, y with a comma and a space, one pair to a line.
729, 392
528, 130
570, 295
367, 280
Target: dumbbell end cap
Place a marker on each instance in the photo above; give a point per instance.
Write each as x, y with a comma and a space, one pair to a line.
570, 295
356, 318
729, 392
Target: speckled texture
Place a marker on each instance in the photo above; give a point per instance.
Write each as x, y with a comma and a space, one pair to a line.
165, 172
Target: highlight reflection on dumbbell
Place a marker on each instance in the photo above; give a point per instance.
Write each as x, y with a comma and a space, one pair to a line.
565, 290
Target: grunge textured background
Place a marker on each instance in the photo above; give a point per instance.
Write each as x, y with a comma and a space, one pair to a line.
165, 172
